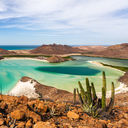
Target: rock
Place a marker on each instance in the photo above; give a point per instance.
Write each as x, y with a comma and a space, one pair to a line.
3, 126
42, 108
125, 115
72, 115
1, 121
18, 114
123, 121
42, 124
33, 115
21, 125
29, 124
55, 59
23, 99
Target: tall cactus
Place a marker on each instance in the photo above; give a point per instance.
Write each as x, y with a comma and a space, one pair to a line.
111, 104
74, 96
93, 91
93, 105
88, 88
104, 90
103, 98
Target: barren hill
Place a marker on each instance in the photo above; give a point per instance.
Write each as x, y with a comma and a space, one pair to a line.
55, 49
5, 52
92, 48
115, 51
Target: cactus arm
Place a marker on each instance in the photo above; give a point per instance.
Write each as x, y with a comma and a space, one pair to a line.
93, 92
89, 95
104, 86
74, 96
103, 98
80, 98
111, 104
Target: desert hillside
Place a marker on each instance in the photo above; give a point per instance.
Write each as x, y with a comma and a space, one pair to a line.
92, 48
55, 49
5, 52
115, 51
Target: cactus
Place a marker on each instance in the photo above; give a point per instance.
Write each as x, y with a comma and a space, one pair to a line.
104, 86
103, 98
93, 105
88, 87
93, 92
111, 104
74, 94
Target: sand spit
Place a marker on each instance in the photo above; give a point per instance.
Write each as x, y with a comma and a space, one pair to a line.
24, 58
96, 63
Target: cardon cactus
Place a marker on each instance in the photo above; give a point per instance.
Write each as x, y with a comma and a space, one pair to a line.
93, 105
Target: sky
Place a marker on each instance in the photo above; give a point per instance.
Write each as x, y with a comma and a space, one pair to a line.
85, 22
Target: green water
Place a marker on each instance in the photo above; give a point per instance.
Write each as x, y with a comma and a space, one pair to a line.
63, 75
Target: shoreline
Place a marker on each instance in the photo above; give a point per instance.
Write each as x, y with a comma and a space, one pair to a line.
24, 88
21, 88
27, 88
101, 64
24, 58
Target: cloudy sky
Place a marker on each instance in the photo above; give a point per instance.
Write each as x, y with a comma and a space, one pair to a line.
88, 22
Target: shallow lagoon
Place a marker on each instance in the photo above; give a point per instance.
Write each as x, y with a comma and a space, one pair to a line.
63, 75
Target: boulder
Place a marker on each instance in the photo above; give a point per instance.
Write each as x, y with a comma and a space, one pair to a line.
18, 114
42, 124
1, 121
72, 115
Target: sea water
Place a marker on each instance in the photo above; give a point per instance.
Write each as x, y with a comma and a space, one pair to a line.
60, 75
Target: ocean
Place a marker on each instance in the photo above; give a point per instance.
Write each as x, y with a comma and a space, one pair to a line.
18, 47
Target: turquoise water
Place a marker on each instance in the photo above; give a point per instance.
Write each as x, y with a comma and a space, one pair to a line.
63, 75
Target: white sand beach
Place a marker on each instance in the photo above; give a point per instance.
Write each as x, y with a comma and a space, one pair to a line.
24, 88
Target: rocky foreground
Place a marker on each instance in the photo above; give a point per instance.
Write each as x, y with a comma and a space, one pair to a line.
21, 112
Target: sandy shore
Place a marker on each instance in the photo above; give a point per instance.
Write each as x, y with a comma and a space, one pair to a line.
24, 88
96, 63
24, 58
100, 64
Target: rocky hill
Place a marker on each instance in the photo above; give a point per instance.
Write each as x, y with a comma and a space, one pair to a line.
5, 52
115, 51
92, 48
55, 49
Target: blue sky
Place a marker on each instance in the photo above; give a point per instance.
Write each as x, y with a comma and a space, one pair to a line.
86, 22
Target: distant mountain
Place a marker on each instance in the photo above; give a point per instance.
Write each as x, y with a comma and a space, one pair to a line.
55, 49
5, 52
92, 48
115, 51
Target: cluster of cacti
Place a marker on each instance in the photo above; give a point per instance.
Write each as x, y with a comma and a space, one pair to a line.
90, 103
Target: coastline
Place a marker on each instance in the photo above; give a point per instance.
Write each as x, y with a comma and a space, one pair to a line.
23, 88
24, 58
101, 64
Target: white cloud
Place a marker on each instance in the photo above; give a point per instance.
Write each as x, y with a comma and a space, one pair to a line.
99, 16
